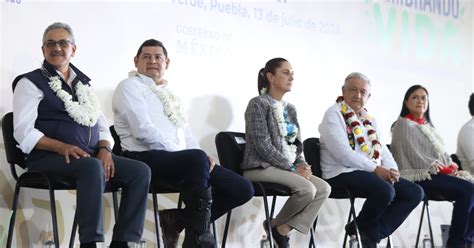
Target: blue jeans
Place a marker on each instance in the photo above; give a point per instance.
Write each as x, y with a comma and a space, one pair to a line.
386, 205
132, 176
190, 169
461, 192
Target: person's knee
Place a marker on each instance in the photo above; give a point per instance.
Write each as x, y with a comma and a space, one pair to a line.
324, 189
198, 154
468, 192
198, 159
385, 194
307, 193
143, 171
417, 193
91, 167
246, 191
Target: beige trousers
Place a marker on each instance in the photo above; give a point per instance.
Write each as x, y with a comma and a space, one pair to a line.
307, 196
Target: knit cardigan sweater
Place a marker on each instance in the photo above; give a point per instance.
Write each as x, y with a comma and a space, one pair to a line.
414, 152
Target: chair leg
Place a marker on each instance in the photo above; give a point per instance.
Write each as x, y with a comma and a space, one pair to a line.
74, 230
53, 215
267, 215
13, 215
157, 219
311, 239
429, 223
116, 205
352, 216
425, 202
214, 231
180, 201
272, 212
389, 242
226, 228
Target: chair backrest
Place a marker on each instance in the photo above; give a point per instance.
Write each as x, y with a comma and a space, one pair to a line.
230, 150
117, 149
14, 155
312, 155
456, 160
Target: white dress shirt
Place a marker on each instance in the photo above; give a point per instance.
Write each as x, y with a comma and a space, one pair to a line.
26, 98
140, 121
465, 150
337, 156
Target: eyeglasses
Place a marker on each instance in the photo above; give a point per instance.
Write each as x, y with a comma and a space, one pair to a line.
61, 43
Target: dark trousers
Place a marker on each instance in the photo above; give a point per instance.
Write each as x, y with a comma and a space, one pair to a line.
190, 169
386, 205
461, 192
88, 173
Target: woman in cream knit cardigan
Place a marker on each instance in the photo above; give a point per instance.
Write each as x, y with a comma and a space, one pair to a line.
421, 157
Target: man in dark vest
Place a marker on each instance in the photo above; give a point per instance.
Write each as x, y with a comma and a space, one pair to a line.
59, 124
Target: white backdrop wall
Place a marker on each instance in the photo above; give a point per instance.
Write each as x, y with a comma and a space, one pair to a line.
216, 49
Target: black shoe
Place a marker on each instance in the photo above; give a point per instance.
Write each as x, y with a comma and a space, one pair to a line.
366, 241
172, 224
351, 228
118, 244
281, 241
88, 245
197, 216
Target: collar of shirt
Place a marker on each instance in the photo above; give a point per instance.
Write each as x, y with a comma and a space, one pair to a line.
72, 76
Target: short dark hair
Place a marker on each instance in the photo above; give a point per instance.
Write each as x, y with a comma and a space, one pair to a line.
150, 43
471, 104
405, 111
271, 66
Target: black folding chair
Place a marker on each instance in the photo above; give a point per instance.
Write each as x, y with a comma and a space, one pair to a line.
456, 160
312, 155
428, 197
156, 187
38, 180
230, 149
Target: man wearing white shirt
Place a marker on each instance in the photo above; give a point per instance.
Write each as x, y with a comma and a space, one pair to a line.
352, 156
465, 150
152, 127
59, 125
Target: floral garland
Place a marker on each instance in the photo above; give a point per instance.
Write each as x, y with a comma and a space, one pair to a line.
171, 105
355, 132
86, 111
437, 141
432, 136
288, 138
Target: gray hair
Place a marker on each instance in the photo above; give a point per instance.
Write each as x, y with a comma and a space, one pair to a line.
357, 75
59, 25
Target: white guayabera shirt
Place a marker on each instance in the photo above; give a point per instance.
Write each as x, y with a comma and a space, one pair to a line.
140, 121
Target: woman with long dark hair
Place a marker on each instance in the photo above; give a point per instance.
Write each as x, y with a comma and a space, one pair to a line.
422, 158
273, 152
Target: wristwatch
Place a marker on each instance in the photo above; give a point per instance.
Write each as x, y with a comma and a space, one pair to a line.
106, 148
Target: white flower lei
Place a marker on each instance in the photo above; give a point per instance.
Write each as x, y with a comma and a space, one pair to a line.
432, 136
86, 111
171, 105
289, 151
437, 141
